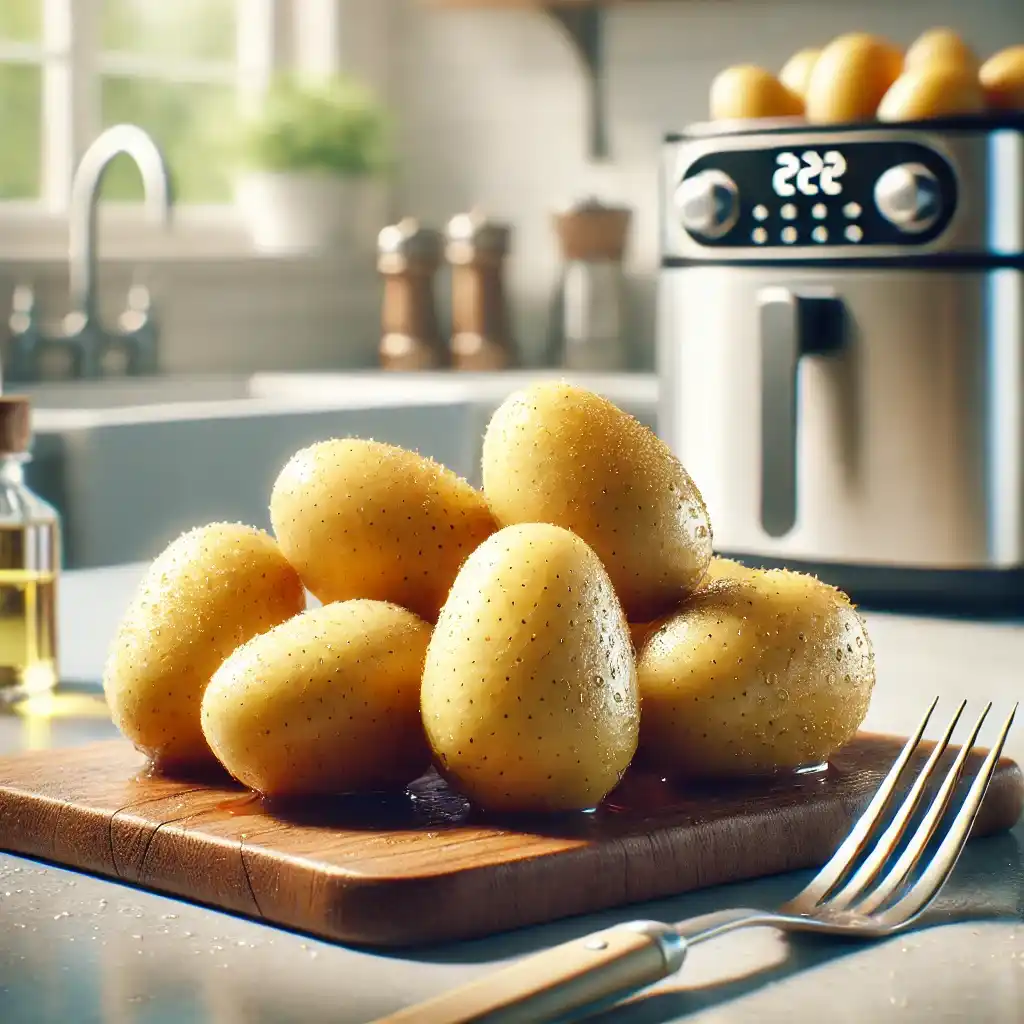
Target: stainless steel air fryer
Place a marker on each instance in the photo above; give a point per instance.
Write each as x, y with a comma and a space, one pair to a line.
841, 347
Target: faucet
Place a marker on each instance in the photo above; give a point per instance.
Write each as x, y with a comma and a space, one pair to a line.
84, 345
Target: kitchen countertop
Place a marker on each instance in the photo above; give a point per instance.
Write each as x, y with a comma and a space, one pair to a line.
77, 948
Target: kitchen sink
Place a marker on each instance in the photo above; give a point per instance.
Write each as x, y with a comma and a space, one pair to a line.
132, 463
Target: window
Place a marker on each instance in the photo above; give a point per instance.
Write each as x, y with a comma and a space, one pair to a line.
69, 68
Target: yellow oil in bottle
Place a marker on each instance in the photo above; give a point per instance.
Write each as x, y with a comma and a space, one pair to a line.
29, 566
28, 609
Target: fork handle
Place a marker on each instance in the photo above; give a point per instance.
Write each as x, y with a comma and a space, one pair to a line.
602, 966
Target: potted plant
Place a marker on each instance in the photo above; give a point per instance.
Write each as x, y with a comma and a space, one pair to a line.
313, 157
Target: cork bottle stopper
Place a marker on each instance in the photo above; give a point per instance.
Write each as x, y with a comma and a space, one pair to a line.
592, 231
15, 424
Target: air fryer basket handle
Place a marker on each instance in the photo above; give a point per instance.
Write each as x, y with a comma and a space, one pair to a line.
793, 325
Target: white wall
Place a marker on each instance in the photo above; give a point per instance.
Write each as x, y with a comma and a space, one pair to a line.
492, 107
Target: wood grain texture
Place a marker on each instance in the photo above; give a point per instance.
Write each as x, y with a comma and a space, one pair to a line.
423, 867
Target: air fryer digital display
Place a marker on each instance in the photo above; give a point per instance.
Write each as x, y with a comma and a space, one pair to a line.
821, 196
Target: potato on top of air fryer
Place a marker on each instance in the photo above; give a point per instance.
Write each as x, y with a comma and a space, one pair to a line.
529, 689
210, 591
327, 702
932, 90
748, 91
850, 77
1002, 78
767, 672
555, 453
940, 46
796, 72
361, 519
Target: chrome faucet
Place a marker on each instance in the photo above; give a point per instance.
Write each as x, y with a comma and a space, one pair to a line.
84, 346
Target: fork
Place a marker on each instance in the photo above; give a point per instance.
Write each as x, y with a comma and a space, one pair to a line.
870, 901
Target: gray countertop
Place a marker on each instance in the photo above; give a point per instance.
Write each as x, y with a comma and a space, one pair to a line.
77, 948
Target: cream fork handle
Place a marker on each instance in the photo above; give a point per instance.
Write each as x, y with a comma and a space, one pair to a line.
586, 973
560, 981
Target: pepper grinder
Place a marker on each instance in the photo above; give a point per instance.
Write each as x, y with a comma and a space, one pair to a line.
589, 321
476, 249
408, 257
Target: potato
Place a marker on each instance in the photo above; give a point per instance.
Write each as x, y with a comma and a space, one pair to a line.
755, 675
529, 688
720, 568
932, 90
325, 703
746, 91
1002, 78
554, 453
211, 590
796, 72
940, 46
364, 519
850, 77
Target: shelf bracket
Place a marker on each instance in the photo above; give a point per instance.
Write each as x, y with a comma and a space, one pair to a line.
584, 26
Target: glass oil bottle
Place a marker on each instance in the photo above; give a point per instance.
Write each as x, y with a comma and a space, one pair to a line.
29, 565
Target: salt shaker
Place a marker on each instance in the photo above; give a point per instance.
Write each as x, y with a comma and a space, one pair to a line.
476, 249
408, 257
589, 326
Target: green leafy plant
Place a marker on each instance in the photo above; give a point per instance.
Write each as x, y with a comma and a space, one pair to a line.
336, 126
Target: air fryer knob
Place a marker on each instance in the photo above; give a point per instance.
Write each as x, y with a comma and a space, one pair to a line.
908, 196
708, 203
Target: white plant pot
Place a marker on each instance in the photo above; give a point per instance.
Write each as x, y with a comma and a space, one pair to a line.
309, 212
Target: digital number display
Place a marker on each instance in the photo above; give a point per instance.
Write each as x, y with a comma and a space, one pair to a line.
810, 173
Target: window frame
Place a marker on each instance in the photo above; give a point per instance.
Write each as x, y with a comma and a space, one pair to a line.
272, 35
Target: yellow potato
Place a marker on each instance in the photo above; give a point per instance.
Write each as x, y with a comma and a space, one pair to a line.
326, 703
529, 690
209, 592
796, 72
850, 78
555, 453
747, 91
718, 569
940, 46
1002, 78
364, 519
932, 90
752, 676
725, 569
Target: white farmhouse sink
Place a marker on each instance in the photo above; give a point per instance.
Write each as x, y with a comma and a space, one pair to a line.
130, 464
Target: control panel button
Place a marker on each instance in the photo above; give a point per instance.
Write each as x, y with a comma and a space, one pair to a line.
708, 203
908, 197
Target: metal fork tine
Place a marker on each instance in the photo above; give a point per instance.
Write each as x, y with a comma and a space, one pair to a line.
927, 887
890, 838
824, 881
914, 850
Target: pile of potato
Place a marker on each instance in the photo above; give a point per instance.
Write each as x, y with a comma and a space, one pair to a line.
860, 77
527, 640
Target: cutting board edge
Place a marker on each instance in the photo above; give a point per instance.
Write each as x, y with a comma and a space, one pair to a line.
348, 903
353, 902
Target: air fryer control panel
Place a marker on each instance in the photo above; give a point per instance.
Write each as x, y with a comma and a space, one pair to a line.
841, 194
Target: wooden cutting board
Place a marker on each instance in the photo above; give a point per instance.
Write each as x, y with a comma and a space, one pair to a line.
422, 867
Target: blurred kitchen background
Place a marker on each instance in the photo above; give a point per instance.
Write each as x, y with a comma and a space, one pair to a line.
522, 138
